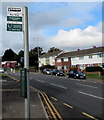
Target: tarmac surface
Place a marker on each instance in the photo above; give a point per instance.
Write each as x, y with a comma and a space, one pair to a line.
13, 103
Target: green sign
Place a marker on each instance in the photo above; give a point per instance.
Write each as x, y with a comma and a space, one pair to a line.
23, 82
14, 18
14, 27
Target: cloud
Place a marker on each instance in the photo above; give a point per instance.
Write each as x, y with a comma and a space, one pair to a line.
77, 38
56, 18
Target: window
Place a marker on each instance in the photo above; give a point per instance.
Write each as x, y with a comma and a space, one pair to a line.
59, 67
42, 59
65, 59
100, 55
47, 60
65, 67
90, 56
81, 57
58, 60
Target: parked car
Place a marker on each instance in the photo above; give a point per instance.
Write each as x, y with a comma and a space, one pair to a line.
47, 71
76, 74
1, 70
57, 72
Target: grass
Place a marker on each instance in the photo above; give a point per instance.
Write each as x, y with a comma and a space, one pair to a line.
96, 76
3, 75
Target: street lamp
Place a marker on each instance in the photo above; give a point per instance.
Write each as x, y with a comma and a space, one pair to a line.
38, 52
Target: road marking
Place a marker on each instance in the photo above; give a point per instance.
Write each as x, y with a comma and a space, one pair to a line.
86, 85
91, 95
68, 105
53, 84
9, 90
89, 116
40, 81
43, 106
54, 98
61, 86
3, 80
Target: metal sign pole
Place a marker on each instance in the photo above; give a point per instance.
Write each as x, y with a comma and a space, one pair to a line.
26, 61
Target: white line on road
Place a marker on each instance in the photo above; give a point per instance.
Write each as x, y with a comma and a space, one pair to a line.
61, 86
40, 81
91, 95
53, 84
86, 85
58, 86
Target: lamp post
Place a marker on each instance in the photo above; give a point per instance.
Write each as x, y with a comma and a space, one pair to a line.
38, 53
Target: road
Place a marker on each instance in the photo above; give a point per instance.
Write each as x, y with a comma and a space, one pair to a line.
74, 98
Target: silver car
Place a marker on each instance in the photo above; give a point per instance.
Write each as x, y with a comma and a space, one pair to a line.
1, 70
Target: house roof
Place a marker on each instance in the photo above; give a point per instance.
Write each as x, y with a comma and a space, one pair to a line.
49, 54
77, 53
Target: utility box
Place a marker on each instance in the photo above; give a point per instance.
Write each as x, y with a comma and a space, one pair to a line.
23, 82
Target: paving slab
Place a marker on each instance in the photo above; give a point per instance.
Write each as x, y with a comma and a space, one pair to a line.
13, 103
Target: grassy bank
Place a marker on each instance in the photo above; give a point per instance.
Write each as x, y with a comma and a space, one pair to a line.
96, 76
3, 75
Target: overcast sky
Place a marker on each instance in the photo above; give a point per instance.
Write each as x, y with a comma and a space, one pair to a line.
65, 25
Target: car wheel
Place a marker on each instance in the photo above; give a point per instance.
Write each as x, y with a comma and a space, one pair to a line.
75, 77
67, 76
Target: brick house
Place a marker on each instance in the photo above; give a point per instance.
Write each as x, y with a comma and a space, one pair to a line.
81, 58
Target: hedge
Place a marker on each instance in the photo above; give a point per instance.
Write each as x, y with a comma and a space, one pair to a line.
94, 69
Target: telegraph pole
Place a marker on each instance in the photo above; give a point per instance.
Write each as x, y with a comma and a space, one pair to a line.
38, 53
26, 62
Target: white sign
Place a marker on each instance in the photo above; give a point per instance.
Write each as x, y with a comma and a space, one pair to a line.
14, 18
14, 11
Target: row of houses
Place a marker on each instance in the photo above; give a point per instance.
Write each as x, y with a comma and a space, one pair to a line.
80, 58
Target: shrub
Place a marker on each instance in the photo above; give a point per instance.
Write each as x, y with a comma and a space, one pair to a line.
94, 69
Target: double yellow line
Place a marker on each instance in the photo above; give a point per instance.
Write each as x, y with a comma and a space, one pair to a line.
55, 114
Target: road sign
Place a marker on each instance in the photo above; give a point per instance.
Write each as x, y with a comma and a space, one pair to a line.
14, 10
14, 27
14, 19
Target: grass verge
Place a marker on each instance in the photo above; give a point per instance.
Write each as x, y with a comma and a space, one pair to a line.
3, 75
96, 76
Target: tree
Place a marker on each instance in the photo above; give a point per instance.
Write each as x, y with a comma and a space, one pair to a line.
9, 55
33, 56
20, 55
53, 49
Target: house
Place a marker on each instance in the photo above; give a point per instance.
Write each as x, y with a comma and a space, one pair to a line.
48, 58
81, 58
8, 64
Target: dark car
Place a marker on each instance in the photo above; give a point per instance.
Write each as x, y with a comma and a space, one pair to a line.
76, 74
47, 71
57, 72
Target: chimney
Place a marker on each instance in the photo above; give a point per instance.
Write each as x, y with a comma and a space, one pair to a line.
78, 49
94, 46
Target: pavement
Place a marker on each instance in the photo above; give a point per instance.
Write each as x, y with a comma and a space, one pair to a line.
13, 103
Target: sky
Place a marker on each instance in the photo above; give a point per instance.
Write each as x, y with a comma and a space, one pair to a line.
65, 25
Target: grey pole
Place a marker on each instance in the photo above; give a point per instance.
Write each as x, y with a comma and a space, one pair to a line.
26, 62
38, 52
38, 55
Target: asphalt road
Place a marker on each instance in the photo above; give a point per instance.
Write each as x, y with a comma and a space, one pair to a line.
74, 98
